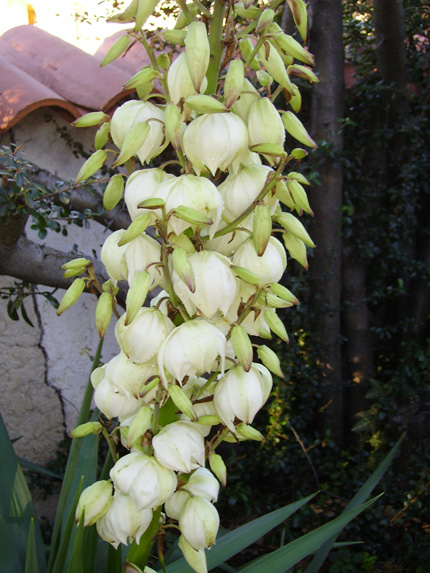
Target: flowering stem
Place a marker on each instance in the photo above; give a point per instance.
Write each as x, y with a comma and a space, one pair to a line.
216, 45
110, 444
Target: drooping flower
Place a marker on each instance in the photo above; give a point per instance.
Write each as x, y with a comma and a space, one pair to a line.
179, 80
142, 185
199, 522
179, 446
265, 124
191, 349
123, 522
95, 500
228, 140
239, 394
268, 267
144, 479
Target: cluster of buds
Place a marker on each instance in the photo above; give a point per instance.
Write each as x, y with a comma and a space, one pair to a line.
203, 232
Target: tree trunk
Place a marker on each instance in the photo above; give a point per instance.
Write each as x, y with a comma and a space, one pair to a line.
326, 43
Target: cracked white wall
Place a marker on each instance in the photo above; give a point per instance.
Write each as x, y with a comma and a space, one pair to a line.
44, 370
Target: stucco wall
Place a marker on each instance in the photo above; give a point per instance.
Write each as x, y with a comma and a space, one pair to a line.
44, 370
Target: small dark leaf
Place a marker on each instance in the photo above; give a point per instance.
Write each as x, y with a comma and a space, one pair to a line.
42, 233
11, 311
52, 300
25, 316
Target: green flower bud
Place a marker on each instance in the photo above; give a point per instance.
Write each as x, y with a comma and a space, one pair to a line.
298, 177
296, 128
296, 248
102, 136
283, 194
303, 72
209, 420
292, 48
71, 295
265, 19
242, 347
274, 65
77, 264
197, 52
298, 153
140, 423
163, 60
154, 203
191, 215
90, 119
144, 10
233, 84
264, 79
298, 10
270, 360
246, 48
91, 165
173, 125
205, 104
126, 16
133, 141
246, 432
86, 429
143, 91
246, 275
182, 20
284, 293
136, 228
218, 467
295, 227
175, 36
116, 50
103, 313
183, 268
183, 242
136, 295
252, 12
262, 228
276, 325
141, 78
182, 402
113, 192
299, 196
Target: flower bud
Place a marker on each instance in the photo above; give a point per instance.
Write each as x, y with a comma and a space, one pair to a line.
228, 141
132, 113
270, 360
103, 313
136, 296
91, 165
262, 228
284, 293
141, 78
179, 80
233, 84
128, 15
123, 522
183, 242
218, 467
265, 19
296, 128
144, 9
251, 12
247, 97
303, 72
137, 425
246, 432
265, 124
295, 227
299, 196
182, 20
175, 36
204, 104
292, 48
296, 249
95, 500
179, 446
102, 136
71, 295
245, 275
79, 264
183, 268
239, 394
182, 402
197, 53
199, 522
144, 479
142, 338
86, 429
264, 79
242, 347
298, 10
196, 559
117, 48
136, 228
298, 153
246, 49
174, 125
90, 119
284, 195
276, 325
113, 192
274, 65
191, 349
269, 267
133, 142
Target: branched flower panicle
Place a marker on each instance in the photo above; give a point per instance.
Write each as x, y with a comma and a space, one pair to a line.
186, 378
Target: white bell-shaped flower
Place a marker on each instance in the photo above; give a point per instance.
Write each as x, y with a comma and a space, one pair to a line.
133, 112
144, 479
175, 504
248, 96
202, 482
199, 522
123, 522
268, 267
215, 284
227, 141
265, 124
179, 446
241, 189
191, 349
142, 338
95, 500
142, 185
239, 394
124, 262
179, 80
127, 377
196, 559
228, 244
196, 192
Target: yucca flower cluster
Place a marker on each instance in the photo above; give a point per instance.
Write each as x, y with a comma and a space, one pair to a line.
205, 232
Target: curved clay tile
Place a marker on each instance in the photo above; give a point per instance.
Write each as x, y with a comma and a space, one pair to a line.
66, 70
21, 94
